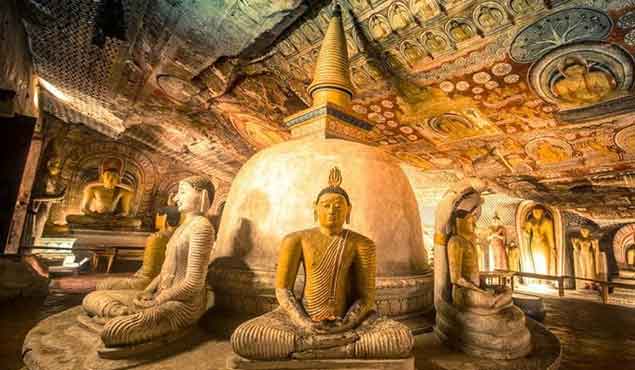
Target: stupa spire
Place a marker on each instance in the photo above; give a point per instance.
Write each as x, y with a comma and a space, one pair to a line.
331, 78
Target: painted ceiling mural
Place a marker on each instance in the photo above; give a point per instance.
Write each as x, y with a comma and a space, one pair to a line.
535, 95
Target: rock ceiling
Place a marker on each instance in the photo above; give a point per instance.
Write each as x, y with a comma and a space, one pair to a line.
534, 95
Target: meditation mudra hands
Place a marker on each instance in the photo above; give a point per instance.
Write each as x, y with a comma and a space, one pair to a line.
145, 300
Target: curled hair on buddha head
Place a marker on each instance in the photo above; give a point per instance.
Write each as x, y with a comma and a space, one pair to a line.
335, 180
202, 183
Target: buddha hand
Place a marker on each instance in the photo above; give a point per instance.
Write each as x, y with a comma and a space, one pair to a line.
145, 300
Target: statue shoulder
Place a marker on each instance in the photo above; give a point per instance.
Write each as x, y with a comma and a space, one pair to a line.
296, 236
202, 223
359, 239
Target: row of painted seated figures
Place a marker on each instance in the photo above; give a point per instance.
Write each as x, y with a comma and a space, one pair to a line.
334, 318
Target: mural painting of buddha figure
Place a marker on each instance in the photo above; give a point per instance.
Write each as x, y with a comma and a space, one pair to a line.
435, 43
579, 84
490, 17
460, 31
336, 315
540, 253
379, 28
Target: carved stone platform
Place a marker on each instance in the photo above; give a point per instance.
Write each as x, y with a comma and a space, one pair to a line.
238, 363
546, 354
59, 343
87, 238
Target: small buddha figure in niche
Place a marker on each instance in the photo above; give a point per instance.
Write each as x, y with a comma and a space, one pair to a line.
490, 17
435, 43
400, 18
540, 254
47, 190
580, 85
587, 254
107, 203
480, 321
523, 6
424, 9
166, 221
497, 240
460, 31
336, 315
412, 54
177, 297
378, 28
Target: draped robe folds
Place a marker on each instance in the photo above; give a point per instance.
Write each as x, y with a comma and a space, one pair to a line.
337, 274
179, 291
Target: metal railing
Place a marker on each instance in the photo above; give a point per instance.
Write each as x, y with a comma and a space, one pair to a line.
605, 285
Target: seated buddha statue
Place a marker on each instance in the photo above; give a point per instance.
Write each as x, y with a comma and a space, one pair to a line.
177, 297
166, 221
106, 203
335, 317
478, 321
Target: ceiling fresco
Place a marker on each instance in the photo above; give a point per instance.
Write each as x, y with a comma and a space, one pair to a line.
536, 96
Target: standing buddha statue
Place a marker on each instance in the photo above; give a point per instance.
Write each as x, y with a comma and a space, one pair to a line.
539, 254
587, 253
336, 315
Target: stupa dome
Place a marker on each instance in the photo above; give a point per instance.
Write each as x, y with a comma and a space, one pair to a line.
274, 192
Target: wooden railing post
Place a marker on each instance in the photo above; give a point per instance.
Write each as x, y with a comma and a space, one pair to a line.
561, 286
605, 293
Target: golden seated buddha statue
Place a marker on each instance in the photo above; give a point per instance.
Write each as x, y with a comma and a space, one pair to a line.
336, 316
481, 322
106, 204
177, 297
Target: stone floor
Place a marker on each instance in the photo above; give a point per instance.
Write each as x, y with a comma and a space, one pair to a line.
594, 336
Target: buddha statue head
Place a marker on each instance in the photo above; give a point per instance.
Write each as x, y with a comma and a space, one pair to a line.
54, 166
538, 212
466, 213
585, 232
110, 172
195, 195
333, 206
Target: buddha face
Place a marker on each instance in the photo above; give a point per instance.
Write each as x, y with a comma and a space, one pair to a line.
54, 166
110, 179
467, 224
585, 232
187, 198
332, 210
537, 213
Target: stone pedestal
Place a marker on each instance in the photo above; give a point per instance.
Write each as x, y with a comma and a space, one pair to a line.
87, 238
532, 306
239, 363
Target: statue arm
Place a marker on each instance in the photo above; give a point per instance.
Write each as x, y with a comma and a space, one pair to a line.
126, 201
87, 197
200, 247
286, 273
550, 238
365, 268
455, 263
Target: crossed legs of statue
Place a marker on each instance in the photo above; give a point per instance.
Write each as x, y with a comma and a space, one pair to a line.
274, 337
124, 323
469, 298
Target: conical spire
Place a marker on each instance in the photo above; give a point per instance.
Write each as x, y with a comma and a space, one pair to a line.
331, 78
